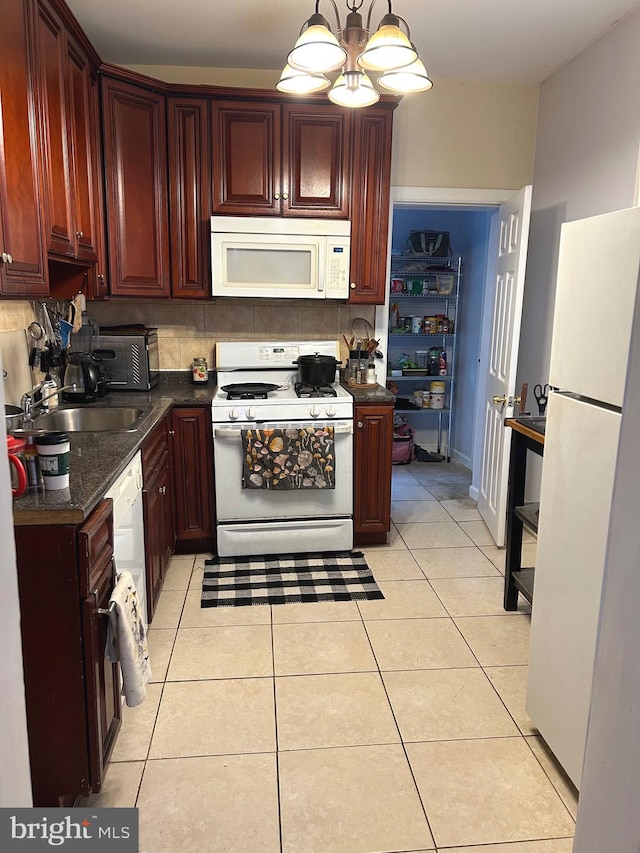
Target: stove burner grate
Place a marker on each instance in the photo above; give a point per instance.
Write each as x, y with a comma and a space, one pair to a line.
314, 390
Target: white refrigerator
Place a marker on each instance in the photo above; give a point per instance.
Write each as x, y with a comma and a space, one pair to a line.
598, 274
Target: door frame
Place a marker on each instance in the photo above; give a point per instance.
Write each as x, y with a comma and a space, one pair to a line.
449, 197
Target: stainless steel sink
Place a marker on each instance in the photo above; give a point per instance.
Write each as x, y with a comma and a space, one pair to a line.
89, 419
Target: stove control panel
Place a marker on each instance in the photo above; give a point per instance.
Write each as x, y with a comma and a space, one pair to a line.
278, 354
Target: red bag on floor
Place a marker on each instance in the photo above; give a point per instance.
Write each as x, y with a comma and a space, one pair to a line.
403, 441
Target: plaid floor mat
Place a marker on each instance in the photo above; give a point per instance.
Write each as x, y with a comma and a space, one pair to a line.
287, 579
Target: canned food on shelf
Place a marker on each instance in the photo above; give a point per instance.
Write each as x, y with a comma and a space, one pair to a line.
437, 394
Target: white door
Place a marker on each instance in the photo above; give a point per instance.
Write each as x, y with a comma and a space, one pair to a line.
505, 295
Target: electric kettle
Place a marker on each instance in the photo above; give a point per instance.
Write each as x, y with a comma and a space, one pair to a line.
81, 371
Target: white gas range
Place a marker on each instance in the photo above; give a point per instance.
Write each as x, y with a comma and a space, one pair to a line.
258, 389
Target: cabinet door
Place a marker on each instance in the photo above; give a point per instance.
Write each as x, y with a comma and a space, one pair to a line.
23, 268
370, 189
53, 109
246, 158
189, 204
153, 519
104, 707
373, 447
134, 124
83, 151
316, 161
157, 508
193, 477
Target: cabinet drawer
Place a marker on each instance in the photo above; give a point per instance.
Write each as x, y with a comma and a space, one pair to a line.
154, 449
95, 546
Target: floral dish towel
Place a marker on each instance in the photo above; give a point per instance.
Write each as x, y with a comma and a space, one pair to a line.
288, 458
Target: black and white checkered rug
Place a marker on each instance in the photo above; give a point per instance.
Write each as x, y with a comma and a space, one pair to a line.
287, 579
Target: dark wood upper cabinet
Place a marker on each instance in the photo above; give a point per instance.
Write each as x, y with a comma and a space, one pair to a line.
189, 197
370, 189
280, 160
23, 268
316, 164
51, 88
82, 95
246, 158
135, 152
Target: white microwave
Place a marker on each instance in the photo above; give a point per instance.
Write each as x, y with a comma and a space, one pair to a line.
280, 257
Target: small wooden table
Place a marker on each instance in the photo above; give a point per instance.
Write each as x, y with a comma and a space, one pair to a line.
528, 434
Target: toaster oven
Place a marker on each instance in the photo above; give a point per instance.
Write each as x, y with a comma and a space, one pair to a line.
130, 357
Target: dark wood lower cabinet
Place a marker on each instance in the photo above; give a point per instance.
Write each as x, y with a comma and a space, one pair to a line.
192, 465
159, 534
72, 691
373, 446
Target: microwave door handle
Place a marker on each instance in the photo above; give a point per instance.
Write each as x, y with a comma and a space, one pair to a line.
321, 267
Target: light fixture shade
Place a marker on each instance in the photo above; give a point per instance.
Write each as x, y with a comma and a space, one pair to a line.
348, 91
317, 51
295, 82
387, 48
404, 81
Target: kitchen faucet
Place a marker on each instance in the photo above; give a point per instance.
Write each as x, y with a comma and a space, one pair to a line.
29, 406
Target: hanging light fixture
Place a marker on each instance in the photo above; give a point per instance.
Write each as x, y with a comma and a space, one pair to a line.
389, 53
295, 82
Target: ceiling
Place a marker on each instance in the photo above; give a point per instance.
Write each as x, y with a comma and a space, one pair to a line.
510, 41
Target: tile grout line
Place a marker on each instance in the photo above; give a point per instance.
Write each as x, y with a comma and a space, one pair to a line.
402, 743
164, 683
275, 722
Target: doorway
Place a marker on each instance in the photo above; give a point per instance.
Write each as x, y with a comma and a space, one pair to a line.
470, 218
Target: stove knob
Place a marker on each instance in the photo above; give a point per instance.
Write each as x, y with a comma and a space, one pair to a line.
313, 412
233, 415
331, 412
251, 413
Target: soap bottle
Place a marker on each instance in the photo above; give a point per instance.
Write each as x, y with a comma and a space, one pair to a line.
49, 393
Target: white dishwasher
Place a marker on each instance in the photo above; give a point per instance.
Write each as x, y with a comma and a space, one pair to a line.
128, 527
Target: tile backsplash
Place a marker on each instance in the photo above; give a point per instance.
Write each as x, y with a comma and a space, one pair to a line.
189, 329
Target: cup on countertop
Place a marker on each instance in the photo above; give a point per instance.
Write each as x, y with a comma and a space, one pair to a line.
53, 454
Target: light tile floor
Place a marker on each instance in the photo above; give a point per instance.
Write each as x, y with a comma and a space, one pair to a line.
395, 726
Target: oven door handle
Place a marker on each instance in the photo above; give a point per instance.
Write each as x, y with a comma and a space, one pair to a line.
339, 429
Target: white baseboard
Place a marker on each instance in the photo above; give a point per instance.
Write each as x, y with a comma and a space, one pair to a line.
474, 492
463, 460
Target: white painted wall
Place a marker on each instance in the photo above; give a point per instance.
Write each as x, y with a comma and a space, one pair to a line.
15, 778
586, 163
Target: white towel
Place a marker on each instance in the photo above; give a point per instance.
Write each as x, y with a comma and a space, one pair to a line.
127, 639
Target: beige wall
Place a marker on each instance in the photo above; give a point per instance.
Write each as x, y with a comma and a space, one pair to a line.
463, 133
15, 314
243, 78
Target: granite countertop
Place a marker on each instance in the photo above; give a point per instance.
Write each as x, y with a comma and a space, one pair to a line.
378, 395
97, 458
